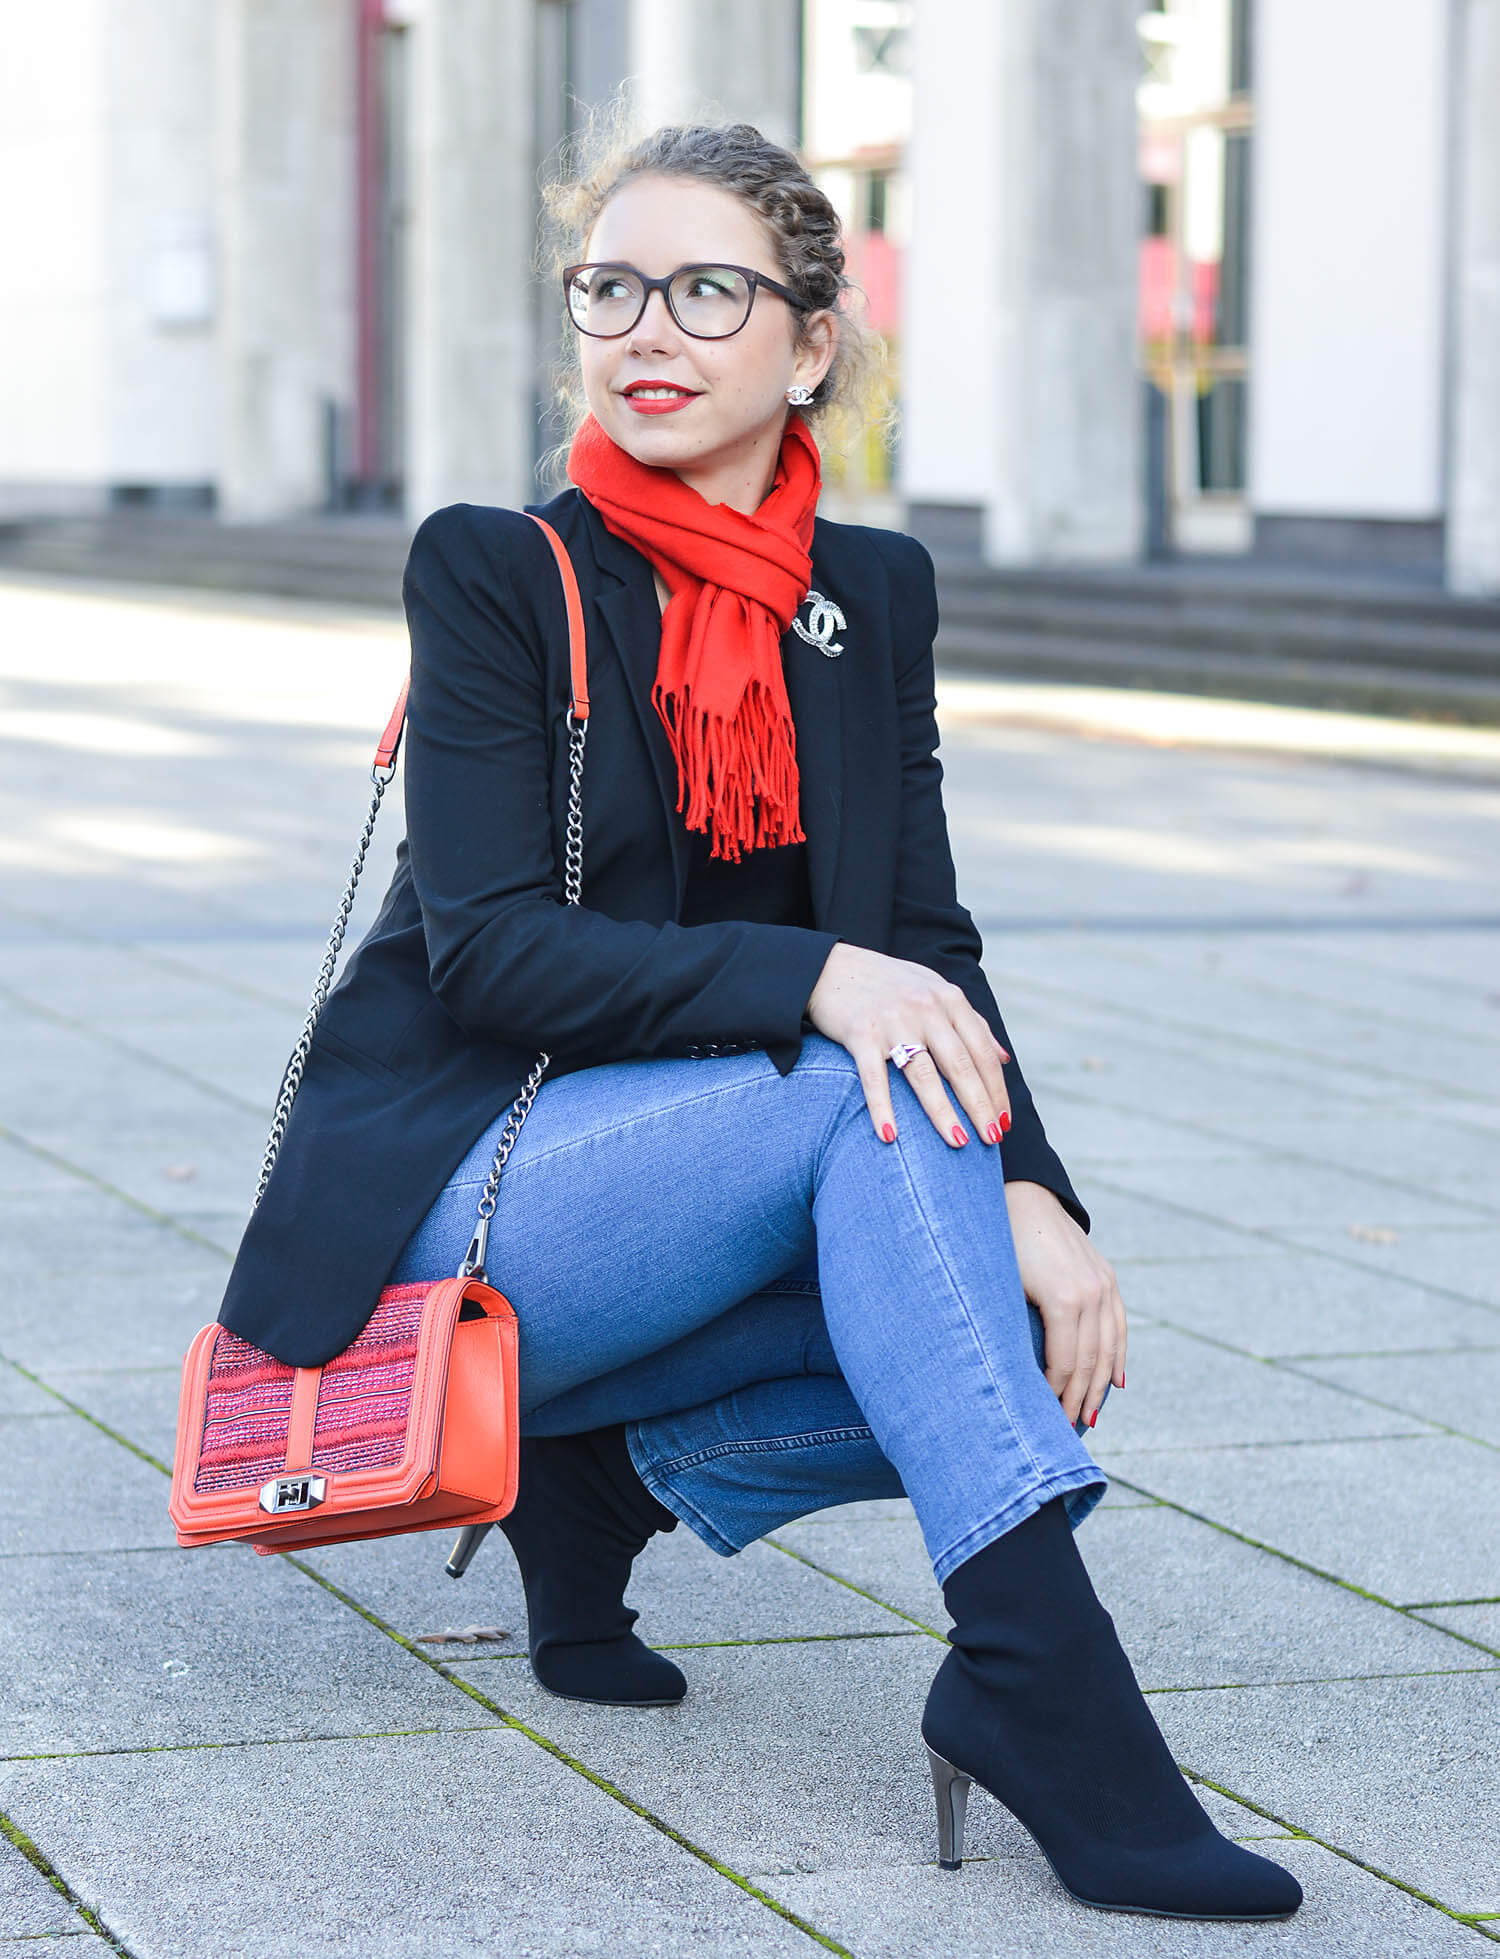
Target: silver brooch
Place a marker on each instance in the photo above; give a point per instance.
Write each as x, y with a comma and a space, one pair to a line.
824, 620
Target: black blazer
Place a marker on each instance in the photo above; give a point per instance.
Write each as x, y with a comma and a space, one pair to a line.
475, 963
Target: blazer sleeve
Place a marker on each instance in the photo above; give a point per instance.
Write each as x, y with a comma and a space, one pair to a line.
508, 958
928, 924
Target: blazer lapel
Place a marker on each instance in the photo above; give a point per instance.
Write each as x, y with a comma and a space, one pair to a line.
815, 687
632, 619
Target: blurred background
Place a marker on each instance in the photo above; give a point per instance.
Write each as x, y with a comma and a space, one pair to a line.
1180, 303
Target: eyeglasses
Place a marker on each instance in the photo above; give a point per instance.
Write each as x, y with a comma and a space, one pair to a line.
709, 302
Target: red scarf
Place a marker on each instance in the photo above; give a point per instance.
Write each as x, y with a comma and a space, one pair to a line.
736, 582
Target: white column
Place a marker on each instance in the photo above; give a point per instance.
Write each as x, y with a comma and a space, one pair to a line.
1349, 193
1021, 400
285, 99
1474, 498
470, 329
693, 59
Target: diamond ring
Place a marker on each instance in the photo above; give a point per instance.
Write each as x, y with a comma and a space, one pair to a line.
903, 1051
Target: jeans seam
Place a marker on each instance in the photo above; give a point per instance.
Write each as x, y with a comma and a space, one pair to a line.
762, 1445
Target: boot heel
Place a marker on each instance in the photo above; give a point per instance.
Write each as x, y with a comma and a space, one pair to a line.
462, 1555
951, 1787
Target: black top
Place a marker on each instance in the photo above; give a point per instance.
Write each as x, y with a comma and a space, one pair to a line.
475, 963
769, 885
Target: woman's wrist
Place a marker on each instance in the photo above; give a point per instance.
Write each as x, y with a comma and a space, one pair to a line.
1025, 1194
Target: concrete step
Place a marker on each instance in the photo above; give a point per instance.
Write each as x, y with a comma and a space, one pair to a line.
1184, 584
1354, 684
1456, 640
348, 561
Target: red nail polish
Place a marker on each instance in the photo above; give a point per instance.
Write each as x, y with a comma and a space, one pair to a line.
889, 1133
959, 1134
1093, 1418
1122, 1378
1005, 1121
994, 1132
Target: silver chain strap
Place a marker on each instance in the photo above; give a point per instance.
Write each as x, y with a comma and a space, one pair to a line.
473, 1264
291, 1081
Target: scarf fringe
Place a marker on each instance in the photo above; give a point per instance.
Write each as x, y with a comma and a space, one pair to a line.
734, 775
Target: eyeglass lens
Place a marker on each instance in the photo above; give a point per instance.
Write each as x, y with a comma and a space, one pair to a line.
708, 301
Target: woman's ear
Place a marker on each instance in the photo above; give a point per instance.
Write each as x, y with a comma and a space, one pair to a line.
817, 345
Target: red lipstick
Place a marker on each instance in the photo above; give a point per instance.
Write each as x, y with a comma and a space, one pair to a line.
666, 406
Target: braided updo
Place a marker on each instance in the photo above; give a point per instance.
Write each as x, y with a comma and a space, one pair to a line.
801, 225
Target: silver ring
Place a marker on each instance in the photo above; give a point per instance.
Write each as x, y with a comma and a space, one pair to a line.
903, 1051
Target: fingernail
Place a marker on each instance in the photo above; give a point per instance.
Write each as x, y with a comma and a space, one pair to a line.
1122, 1377
994, 1132
1093, 1418
889, 1133
1005, 1121
959, 1135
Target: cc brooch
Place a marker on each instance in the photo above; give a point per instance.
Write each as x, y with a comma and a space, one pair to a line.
823, 621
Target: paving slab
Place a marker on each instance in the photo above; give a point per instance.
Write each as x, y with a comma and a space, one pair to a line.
1288, 1303
1463, 1260
413, 1847
1194, 1607
18, 1396
139, 1403
166, 1649
1260, 1188
1399, 1773
780, 1758
81, 1945
686, 1594
1185, 1393
1011, 1907
1481, 1622
31, 1907
1457, 1390
140, 1317
1448, 1155
70, 1488
1364, 1511
1124, 1225
23, 1171
886, 1558
1091, 1133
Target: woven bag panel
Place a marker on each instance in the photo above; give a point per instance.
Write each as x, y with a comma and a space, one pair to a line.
246, 1414
364, 1398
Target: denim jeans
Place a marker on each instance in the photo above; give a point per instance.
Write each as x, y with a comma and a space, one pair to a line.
786, 1312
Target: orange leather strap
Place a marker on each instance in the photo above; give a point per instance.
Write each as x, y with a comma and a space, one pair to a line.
578, 662
390, 741
304, 1417
577, 644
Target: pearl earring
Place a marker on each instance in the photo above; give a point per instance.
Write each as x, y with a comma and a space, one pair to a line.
799, 396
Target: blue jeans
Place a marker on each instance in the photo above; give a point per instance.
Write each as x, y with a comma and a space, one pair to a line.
786, 1312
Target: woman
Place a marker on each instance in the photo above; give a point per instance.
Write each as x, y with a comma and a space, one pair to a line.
756, 1272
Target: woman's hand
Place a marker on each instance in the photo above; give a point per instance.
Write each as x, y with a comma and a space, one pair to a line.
1075, 1291
867, 1002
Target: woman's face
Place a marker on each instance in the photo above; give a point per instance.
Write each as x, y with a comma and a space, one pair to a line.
724, 427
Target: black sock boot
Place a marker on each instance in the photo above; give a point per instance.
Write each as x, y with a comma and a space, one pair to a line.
1037, 1703
581, 1518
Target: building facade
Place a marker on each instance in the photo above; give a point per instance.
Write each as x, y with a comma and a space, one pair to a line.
1219, 277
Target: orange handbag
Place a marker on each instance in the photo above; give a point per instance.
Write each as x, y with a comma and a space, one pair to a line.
414, 1426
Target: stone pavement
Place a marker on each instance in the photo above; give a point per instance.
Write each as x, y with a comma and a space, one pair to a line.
1258, 993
